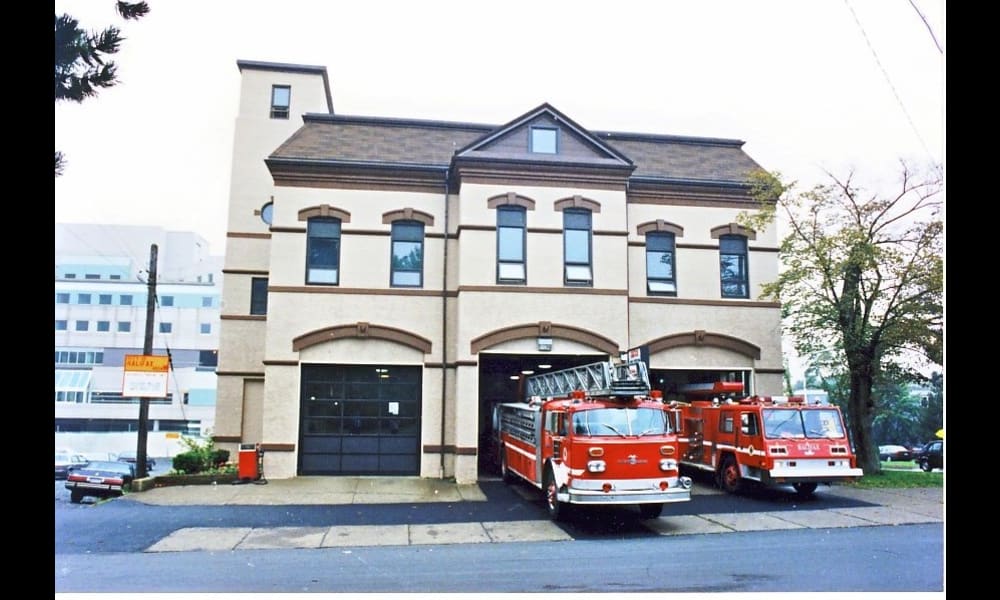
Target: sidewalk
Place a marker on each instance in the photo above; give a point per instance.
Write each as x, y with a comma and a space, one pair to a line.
876, 507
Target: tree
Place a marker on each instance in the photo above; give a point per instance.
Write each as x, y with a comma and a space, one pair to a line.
81, 64
862, 277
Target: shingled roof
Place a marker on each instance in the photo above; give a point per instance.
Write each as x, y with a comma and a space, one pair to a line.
339, 139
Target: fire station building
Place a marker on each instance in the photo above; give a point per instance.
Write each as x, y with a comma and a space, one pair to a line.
388, 280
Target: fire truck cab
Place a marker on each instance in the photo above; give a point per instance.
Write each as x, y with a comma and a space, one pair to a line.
765, 440
593, 434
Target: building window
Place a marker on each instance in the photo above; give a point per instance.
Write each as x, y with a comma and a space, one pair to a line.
166, 300
407, 254
114, 277
206, 301
281, 96
125, 300
576, 247
91, 276
511, 244
258, 296
206, 328
660, 264
544, 140
267, 213
82, 325
83, 299
104, 325
62, 298
70, 275
166, 327
733, 266
124, 326
104, 299
323, 250
61, 325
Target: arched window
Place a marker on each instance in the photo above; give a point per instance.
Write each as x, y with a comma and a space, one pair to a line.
733, 267
407, 254
323, 251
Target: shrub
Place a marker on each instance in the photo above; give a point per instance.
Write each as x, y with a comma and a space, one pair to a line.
200, 457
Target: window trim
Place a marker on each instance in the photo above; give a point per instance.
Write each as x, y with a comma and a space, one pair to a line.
540, 128
668, 235
744, 278
392, 252
590, 249
522, 212
309, 243
281, 111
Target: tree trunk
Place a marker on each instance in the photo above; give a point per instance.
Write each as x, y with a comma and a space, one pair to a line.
861, 409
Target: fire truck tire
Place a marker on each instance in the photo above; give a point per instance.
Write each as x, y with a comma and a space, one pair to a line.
556, 509
805, 489
505, 473
650, 511
729, 476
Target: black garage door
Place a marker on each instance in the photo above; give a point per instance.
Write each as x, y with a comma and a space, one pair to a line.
360, 420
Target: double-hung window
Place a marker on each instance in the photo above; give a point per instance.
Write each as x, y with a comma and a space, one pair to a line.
511, 244
281, 100
258, 296
733, 266
323, 251
660, 277
578, 268
407, 254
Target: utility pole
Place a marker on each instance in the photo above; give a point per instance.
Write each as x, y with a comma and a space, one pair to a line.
147, 349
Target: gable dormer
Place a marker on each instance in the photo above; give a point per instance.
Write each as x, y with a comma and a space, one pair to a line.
542, 146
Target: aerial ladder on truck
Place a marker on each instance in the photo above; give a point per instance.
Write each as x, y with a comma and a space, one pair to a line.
593, 434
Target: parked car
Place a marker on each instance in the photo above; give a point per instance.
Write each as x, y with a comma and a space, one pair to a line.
931, 456
66, 461
100, 479
892, 452
129, 457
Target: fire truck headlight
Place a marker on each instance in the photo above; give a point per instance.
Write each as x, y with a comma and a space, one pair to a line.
596, 466
668, 464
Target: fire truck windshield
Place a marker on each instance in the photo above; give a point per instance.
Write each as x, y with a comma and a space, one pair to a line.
621, 422
796, 423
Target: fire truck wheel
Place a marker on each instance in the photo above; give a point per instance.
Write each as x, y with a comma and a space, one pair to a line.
729, 476
554, 507
505, 473
805, 489
650, 511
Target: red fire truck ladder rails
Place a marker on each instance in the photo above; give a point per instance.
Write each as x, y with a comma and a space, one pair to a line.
604, 378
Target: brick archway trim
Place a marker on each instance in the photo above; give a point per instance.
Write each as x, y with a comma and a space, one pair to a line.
324, 210
544, 329
704, 338
361, 330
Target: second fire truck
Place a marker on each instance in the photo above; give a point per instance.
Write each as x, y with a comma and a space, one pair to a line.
763, 440
593, 434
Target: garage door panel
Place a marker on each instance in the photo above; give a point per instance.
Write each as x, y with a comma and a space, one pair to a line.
403, 444
321, 444
359, 463
400, 464
321, 464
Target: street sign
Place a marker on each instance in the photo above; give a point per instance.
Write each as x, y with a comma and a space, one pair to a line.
145, 376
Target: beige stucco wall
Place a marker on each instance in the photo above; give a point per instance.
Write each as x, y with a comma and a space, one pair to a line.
241, 346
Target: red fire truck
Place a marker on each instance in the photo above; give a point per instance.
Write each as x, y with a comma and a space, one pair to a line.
762, 439
593, 434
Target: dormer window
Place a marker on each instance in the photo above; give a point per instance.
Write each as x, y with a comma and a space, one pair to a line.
281, 96
544, 140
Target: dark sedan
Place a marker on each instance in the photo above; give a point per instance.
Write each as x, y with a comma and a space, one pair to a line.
931, 456
100, 479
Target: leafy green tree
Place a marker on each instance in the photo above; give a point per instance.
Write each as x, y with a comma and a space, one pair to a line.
82, 67
862, 278
931, 418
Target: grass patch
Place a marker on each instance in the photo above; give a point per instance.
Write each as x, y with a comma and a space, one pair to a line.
890, 478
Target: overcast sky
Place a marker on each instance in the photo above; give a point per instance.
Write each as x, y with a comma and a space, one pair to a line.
823, 84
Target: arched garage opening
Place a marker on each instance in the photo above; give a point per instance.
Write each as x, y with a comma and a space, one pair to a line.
501, 379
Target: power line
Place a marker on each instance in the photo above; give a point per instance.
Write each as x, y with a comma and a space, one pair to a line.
889, 81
